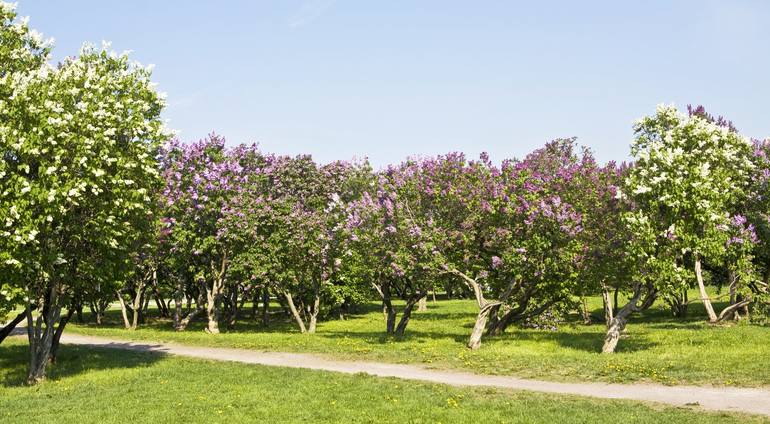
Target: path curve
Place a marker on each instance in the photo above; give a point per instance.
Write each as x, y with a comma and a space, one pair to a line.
755, 401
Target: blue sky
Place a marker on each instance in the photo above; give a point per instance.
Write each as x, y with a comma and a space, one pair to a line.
390, 79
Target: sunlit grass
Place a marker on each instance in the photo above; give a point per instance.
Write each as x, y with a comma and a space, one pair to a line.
658, 348
92, 385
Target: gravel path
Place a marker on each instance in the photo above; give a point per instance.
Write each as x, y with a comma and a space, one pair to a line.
755, 401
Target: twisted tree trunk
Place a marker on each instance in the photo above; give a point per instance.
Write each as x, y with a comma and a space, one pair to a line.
474, 342
184, 322
407, 314
703, 295
733, 309
618, 324
485, 308
212, 312
213, 295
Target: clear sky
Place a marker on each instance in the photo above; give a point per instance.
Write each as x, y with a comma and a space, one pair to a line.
395, 78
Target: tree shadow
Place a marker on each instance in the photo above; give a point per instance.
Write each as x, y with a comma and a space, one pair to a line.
441, 316
381, 337
76, 359
583, 340
678, 325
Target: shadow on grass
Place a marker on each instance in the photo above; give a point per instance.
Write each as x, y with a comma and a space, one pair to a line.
586, 341
459, 318
73, 360
381, 337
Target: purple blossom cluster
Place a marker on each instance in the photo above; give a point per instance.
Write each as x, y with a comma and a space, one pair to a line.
201, 178
721, 121
449, 213
742, 231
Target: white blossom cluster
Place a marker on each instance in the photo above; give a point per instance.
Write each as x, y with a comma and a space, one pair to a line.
80, 144
687, 169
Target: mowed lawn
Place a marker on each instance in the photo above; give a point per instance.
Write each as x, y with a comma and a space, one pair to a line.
92, 385
659, 348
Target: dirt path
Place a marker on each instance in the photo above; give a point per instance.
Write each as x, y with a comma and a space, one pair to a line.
755, 401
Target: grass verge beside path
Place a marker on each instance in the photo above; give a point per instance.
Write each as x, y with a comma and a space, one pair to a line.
103, 385
658, 349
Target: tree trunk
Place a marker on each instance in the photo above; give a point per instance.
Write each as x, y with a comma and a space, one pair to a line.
617, 325
518, 314
254, 303
388, 312
6, 331
481, 323
406, 315
265, 306
620, 320
213, 295
422, 304
733, 285
212, 315
584, 310
212, 311
314, 313
493, 317
703, 295
123, 310
608, 307
137, 306
178, 294
237, 308
184, 322
390, 316
57, 336
733, 309
294, 312
163, 306
40, 333
159, 304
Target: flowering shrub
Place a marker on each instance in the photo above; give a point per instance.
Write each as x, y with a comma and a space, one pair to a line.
288, 233
95, 201
690, 173
506, 232
79, 170
202, 181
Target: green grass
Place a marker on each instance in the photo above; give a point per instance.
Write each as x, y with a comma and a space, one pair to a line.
91, 385
659, 348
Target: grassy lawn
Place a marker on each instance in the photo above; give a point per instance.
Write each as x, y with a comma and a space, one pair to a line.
659, 348
102, 385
